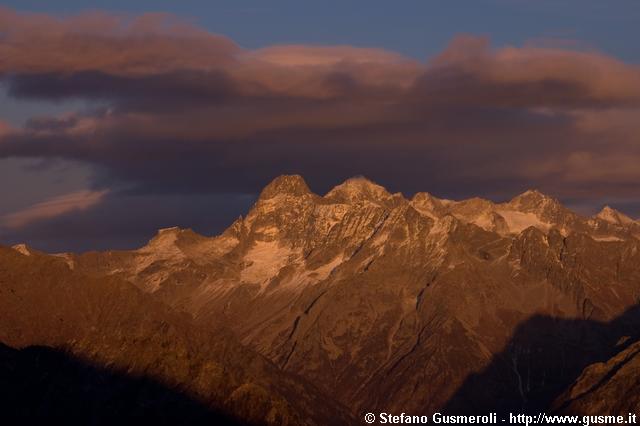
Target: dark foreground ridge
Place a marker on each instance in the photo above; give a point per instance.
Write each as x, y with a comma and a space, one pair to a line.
42, 385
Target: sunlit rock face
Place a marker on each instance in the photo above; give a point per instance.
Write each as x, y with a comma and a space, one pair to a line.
392, 304
611, 386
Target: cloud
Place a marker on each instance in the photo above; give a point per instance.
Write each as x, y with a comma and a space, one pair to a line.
531, 76
115, 44
302, 55
126, 220
5, 129
178, 110
57, 206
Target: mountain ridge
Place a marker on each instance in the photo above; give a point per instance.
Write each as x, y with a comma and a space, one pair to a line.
479, 211
387, 303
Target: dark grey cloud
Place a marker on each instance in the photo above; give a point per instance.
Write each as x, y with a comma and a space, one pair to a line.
190, 114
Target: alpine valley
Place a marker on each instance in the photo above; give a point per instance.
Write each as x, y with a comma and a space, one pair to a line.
314, 310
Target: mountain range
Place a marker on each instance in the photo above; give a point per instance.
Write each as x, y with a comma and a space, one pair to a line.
316, 309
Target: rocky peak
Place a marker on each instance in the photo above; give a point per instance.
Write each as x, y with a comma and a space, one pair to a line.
427, 203
235, 230
167, 238
22, 249
358, 189
480, 212
171, 231
546, 208
293, 185
613, 216
531, 199
472, 206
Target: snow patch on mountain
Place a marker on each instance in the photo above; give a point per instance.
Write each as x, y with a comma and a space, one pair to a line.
519, 221
22, 249
615, 217
305, 277
68, 258
607, 238
323, 271
164, 244
264, 261
358, 189
267, 231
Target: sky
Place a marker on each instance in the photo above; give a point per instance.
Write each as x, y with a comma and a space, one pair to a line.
119, 118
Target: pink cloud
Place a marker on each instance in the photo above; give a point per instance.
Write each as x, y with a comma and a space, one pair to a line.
116, 44
57, 206
6, 129
125, 47
302, 55
594, 77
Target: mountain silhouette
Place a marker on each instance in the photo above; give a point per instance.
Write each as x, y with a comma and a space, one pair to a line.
44, 385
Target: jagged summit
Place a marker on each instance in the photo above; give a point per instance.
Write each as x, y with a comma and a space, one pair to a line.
532, 197
474, 204
168, 237
427, 204
173, 231
170, 230
286, 184
357, 189
611, 215
288, 210
547, 208
533, 193
22, 249
420, 197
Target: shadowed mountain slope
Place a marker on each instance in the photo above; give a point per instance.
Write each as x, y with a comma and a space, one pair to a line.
546, 356
43, 385
610, 386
